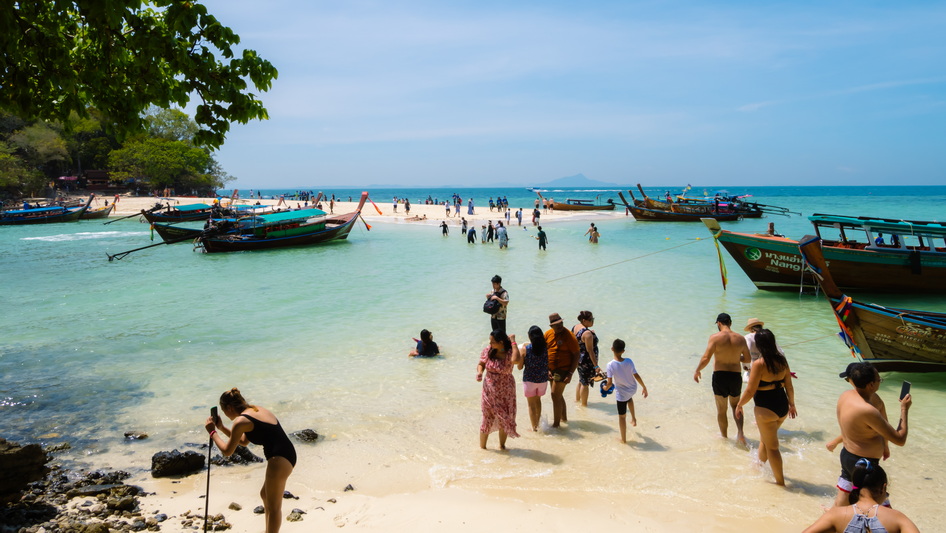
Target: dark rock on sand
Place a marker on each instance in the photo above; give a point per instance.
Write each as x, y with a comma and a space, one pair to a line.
295, 515
259, 509
305, 435
175, 463
135, 435
20, 465
286, 495
241, 456
349, 487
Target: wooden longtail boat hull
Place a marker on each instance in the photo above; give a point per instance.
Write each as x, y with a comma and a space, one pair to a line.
43, 216
171, 232
101, 212
328, 229
558, 206
775, 264
567, 206
892, 339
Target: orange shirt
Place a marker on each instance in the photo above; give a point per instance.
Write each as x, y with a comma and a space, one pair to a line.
563, 349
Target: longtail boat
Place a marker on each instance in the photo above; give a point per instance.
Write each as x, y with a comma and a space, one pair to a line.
278, 230
644, 213
892, 339
179, 213
99, 212
43, 215
282, 230
711, 208
574, 204
910, 262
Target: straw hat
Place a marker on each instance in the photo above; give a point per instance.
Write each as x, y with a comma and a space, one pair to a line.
555, 318
753, 322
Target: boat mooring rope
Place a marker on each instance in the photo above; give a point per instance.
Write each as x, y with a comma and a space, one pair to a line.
626, 260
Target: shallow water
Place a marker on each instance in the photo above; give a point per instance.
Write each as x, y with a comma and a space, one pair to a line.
92, 348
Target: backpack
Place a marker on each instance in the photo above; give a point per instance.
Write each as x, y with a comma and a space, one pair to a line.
491, 307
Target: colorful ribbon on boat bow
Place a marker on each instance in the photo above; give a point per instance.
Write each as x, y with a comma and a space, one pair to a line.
842, 311
719, 254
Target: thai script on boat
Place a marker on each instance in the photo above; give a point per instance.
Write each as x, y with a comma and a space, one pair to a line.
915, 330
783, 261
916, 342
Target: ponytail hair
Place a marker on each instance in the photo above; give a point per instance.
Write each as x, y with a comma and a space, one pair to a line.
537, 338
870, 476
233, 399
500, 336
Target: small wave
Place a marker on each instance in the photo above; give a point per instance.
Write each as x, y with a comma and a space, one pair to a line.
85, 235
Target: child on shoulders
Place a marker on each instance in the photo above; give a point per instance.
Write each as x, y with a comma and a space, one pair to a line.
622, 374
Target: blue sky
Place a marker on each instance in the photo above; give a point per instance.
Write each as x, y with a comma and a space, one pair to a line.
404, 93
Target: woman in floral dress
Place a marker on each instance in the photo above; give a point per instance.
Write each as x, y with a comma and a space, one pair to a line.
499, 387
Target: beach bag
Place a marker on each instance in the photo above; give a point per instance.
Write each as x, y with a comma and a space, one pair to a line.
491, 307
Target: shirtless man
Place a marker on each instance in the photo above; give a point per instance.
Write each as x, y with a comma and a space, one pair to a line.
730, 350
864, 427
563, 353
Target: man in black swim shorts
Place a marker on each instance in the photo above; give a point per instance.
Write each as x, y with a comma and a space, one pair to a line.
730, 349
864, 427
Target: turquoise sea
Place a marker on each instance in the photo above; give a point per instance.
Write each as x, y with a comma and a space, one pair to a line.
91, 349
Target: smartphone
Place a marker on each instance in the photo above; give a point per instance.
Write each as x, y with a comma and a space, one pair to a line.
905, 389
216, 418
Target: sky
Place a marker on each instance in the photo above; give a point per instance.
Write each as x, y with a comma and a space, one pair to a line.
455, 93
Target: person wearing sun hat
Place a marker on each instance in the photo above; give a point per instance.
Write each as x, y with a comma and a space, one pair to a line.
563, 353
753, 326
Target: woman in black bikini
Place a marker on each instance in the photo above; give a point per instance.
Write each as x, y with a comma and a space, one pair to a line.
253, 424
770, 385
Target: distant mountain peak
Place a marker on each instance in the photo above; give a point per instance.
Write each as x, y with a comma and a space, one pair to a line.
578, 180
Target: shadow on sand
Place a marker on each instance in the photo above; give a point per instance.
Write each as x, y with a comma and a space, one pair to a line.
536, 455
646, 444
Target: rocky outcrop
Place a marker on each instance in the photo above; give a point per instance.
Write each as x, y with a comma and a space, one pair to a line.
20, 465
175, 463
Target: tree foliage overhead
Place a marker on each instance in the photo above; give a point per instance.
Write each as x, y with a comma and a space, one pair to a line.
121, 57
162, 162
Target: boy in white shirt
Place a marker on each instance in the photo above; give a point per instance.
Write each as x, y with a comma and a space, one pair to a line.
623, 375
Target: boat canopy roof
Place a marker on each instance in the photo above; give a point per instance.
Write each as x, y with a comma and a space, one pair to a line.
889, 225
36, 210
287, 216
192, 207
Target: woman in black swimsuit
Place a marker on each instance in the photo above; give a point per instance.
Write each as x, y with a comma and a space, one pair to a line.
770, 385
253, 424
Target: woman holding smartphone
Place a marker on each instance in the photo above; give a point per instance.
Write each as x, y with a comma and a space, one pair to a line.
254, 424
